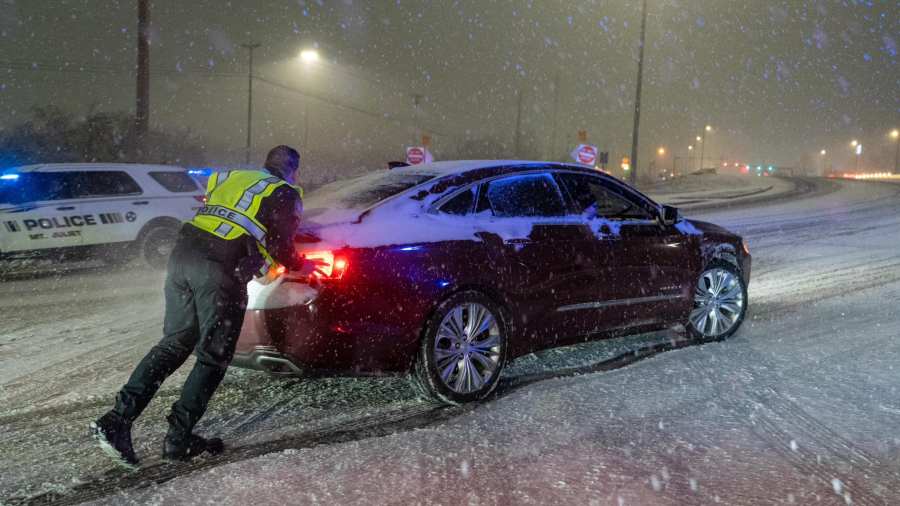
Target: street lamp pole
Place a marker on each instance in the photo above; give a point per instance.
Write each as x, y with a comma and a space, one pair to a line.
637, 97
895, 134
703, 144
250, 47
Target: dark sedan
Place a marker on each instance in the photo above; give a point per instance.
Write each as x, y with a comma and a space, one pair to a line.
450, 269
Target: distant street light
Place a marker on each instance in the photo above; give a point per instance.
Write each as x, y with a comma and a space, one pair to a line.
309, 56
708, 128
854, 143
822, 162
823, 152
895, 134
858, 150
661, 151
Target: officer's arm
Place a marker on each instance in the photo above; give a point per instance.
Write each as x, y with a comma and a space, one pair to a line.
282, 213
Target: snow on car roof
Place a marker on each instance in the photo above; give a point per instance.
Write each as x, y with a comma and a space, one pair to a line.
64, 167
446, 168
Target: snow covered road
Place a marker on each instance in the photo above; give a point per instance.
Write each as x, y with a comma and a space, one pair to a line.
801, 406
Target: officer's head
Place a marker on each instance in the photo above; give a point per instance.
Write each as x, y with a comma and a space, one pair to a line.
284, 162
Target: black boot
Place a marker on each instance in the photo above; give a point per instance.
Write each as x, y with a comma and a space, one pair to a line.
114, 435
184, 449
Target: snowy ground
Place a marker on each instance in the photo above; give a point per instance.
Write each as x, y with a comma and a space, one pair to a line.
701, 191
801, 406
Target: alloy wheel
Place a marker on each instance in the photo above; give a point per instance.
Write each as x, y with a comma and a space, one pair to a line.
467, 348
718, 302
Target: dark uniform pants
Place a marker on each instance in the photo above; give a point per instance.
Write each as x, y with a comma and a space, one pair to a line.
205, 305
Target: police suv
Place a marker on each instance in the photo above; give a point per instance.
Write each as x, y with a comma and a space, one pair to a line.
78, 210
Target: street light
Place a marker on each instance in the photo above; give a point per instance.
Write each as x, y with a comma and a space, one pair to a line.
309, 56
822, 162
661, 151
858, 151
854, 143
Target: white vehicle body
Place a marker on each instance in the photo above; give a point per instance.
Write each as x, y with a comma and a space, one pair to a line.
65, 207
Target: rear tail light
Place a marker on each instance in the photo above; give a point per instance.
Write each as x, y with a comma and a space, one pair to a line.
330, 266
200, 198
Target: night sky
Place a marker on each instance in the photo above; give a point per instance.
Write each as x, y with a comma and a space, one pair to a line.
777, 79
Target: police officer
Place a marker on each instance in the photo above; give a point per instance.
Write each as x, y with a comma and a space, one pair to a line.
245, 229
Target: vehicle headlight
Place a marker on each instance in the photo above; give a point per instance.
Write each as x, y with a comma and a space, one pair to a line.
745, 246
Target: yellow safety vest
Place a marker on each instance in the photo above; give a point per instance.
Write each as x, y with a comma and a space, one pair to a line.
232, 201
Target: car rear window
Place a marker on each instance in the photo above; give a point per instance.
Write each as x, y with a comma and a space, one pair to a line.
174, 181
364, 191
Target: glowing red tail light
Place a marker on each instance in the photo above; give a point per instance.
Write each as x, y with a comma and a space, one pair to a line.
330, 266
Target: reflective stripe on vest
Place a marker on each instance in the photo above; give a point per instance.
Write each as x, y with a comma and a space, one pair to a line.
233, 218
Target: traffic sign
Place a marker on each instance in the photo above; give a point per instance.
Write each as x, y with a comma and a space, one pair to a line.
416, 155
585, 153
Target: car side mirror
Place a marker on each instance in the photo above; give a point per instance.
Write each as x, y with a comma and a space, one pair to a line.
669, 215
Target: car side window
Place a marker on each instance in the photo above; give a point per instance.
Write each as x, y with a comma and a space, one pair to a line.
521, 196
107, 184
592, 197
38, 186
461, 204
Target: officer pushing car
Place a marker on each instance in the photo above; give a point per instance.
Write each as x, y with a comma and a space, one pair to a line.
245, 229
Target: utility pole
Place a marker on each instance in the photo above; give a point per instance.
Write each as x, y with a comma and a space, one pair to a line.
637, 98
555, 116
518, 143
142, 102
702, 148
250, 47
417, 99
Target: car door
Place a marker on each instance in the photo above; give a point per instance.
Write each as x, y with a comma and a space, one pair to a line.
542, 255
114, 200
654, 261
586, 194
39, 211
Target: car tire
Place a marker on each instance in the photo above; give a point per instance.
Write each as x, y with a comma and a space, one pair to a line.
460, 360
720, 303
156, 244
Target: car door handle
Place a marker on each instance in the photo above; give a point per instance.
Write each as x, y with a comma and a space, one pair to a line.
518, 241
65, 208
606, 234
140, 203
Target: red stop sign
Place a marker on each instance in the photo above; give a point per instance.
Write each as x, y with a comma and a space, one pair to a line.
587, 154
415, 155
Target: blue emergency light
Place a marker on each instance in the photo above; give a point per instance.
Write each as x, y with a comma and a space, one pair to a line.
9, 177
